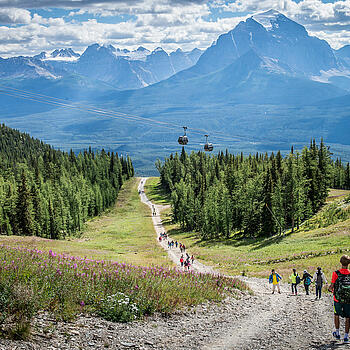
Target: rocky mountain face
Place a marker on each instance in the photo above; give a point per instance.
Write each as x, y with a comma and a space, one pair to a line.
273, 35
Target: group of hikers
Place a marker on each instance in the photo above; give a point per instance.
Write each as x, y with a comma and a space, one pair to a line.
185, 260
340, 287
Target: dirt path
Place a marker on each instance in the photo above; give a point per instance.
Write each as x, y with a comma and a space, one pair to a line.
174, 253
278, 321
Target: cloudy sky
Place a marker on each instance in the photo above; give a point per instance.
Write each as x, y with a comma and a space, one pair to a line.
30, 26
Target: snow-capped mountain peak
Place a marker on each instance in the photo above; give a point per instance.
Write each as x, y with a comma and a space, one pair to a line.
59, 55
267, 19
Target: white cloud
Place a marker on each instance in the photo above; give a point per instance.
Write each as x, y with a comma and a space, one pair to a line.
167, 23
14, 16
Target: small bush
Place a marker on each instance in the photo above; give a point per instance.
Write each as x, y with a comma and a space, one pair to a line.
118, 308
17, 308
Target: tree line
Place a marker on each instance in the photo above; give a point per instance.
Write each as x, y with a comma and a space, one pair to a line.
50, 193
257, 195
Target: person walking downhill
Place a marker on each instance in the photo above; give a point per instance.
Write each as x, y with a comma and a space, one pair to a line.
182, 260
319, 278
307, 278
340, 287
275, 278
294, 277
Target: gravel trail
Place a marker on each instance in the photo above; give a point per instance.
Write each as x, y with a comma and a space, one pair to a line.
173, 253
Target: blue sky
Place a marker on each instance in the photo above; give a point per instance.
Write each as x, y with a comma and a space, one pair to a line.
30, 26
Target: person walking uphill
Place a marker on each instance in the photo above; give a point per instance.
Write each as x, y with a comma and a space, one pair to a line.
294, 277
340, 286
275, 278
307, 278
319, 278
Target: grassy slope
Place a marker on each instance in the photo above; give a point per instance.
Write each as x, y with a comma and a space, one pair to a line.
258, 256
125, 234
155, 193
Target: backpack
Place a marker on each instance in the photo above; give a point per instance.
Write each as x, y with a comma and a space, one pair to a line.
319, 279
342, 288
307, 281
297, 279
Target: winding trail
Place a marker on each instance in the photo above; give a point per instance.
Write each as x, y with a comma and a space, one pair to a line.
173, 253
262, 320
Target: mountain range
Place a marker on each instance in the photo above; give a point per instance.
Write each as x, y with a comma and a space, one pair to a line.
267, 81
121, 68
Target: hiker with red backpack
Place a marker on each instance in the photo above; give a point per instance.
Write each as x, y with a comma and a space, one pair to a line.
340, 287
319, 278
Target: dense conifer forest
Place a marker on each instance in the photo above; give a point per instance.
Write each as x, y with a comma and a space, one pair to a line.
50, 193
258, 195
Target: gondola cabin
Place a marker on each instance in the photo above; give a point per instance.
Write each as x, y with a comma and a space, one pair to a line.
208, 147
183, 140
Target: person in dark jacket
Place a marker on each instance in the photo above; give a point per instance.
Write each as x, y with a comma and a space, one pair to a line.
307, 278
319, 278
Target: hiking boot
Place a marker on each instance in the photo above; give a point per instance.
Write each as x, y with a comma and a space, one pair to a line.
346, 340
337, 336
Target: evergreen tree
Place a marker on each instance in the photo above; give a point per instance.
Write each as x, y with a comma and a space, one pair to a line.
25, 220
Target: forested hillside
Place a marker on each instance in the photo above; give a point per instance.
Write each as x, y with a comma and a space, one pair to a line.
49, 193
255, 195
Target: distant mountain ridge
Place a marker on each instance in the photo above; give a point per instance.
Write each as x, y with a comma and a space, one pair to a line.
121, 68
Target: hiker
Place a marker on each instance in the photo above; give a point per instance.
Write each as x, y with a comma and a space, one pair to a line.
182, 260
160, 238
295, 281
186, 264
307, 278
176, 244
183, 248
319, 278
192, 259
275, 278
340, 287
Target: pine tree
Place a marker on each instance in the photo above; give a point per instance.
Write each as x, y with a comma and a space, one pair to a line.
25, 220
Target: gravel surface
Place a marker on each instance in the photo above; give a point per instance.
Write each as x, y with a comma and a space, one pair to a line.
260, 321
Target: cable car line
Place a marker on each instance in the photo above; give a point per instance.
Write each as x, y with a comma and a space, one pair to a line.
44, 99
199, 131
183, 140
